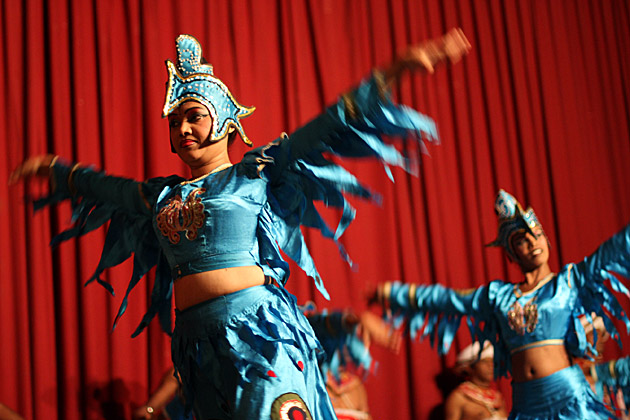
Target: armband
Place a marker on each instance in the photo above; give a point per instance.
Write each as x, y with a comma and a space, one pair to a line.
412, 296
51, 174
381, 85
71, 186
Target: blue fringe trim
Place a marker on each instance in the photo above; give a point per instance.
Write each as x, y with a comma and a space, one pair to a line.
343, 348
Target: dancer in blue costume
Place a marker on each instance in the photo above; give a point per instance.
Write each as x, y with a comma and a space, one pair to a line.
534, 325
240, 344
612, 379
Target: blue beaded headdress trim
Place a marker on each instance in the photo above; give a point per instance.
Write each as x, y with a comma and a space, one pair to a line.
512, 219
193, 80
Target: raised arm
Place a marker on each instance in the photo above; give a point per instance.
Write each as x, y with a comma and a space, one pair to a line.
424, 57
367, 110
611, 256
608, 262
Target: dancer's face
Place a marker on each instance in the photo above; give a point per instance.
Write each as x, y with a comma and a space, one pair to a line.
531, 251
483, 370
190, 126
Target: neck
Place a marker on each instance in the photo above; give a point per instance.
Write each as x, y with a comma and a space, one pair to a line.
205, 168
480, 382
534, 276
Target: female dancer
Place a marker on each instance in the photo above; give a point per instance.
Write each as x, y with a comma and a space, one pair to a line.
240, 344
534, 325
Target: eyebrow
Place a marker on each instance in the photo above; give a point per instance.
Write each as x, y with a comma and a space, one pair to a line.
186, 111
193, 108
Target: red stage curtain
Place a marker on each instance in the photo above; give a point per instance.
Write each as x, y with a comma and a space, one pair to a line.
539, 108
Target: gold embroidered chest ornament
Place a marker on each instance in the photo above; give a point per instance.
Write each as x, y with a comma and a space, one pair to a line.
182, 216
523, 319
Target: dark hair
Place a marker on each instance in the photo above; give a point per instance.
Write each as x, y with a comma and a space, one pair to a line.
232, 137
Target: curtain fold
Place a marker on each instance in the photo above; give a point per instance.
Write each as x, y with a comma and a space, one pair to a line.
541, 108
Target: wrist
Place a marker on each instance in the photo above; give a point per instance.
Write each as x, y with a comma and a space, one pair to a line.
385, 291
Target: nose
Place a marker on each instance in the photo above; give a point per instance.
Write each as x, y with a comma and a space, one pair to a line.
531, 239
184, 129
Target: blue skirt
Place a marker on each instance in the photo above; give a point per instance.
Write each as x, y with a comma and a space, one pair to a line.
563, 395
250, 355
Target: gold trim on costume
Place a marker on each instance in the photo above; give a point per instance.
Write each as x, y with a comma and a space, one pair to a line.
386, 291
611, 369
547, 279
465, 292
71, 187
350, 105
383, 89
412, 295
542, 343
182, 216
51, 174
199, 178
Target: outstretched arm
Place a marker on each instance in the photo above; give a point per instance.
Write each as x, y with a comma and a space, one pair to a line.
410, 298
436, 311
126, 204
78, 181
368, 108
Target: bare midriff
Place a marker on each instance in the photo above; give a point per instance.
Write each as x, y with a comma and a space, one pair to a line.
199, 287
538, 362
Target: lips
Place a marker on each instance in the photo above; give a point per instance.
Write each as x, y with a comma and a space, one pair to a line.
537, 251
186, 143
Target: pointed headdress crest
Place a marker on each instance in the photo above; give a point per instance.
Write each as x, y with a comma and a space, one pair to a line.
193, 79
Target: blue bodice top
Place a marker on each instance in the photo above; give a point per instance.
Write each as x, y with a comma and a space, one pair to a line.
212, 222
513, 321
540, 316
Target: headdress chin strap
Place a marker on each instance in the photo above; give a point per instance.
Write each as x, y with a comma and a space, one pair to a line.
193, 79
512, 219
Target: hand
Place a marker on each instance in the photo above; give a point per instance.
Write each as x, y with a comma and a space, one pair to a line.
373, 295
451, 47
38, 166
141, 413
374, 329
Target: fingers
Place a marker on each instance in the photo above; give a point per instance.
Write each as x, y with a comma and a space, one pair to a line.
456, 45
25, 170
395, 341
35, 166
372, 295
424, 60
